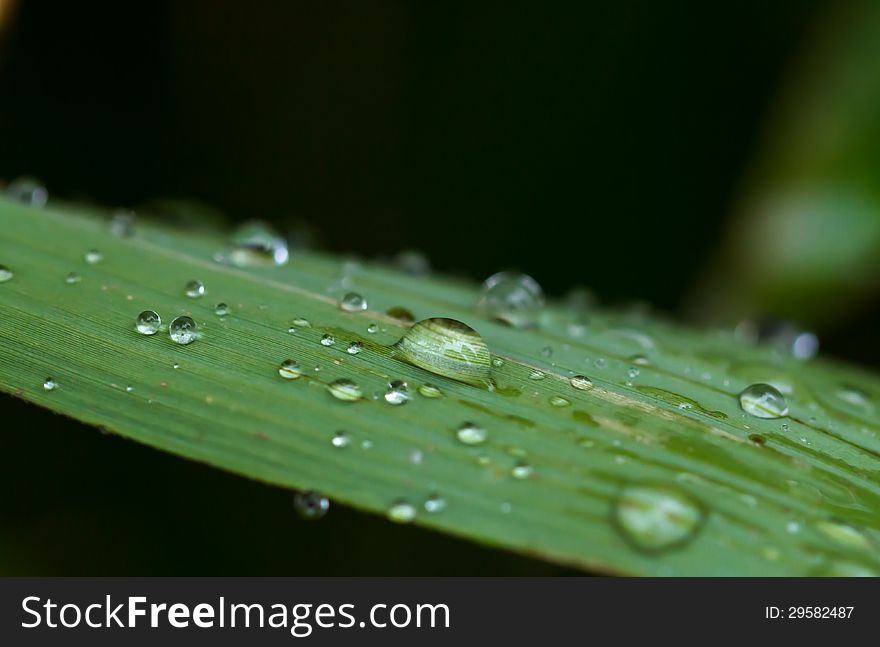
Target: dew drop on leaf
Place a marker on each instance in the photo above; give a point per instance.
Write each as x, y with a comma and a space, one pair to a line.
656, 518
471, 434
221, 309
72, 279
183, 330
290, 370
521, 471
446, 347
345, 390
340, 439
28, 191
434, 503
512, 297
352, 302
581, 382
763, 401
430, 391
558, 401
194, 289
49, 384
397, 393
310, 504
254, 244
122, 223
148, 322
354, 348
93, 256
327, 340
5, 274
401, 511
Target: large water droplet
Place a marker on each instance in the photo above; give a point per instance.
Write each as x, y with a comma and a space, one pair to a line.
397, 393
512, 297
581, 382
763, 401
148, 322
254, 244
310, 504
93, 256
290, 370
183, 330
194, 289
447, 347
401, 511
471, 434
49, 384
345, 390
656, 518
352, 302
27, 190
5, 274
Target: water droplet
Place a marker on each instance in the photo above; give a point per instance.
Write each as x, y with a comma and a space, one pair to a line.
497, 362
194, 289
310, 504
600, 362
5, 274
345, 390
327, 340
302, 323
547, 351
401, 314
779, 334
373, 328
512, 297
430, 391
559, 401
632, 373
537, 375
27, 190
413, 262
354, 348
401, 511
763, 401
352, 302
435, 503
183, 330
340, 439
175, 365
72, 279
446, 347
254, 244
122, 223
397, 393
148, 322
221, 310
129, 389
471, 434
656, 518
581, 382
49, 384
290, 370
521, 471
640, 360
93, 256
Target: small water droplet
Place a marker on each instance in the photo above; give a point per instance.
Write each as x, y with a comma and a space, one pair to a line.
373, 328
763, 401
302, 323
521, 471
632, 373
129, 389
310, 504
122, 223
345, 390
27, 190
471, 434
93, 256
72, 278
49, 384
327, 340
559, 401
194, 289
547, 351
640, 360
340, 439
254, 244
435, 503
397, 393
148, 322
497, 362
600, 362
513, 297
290, 370
5, 274
352, 302
430, 391
581, 382
537, 375
354, 348
183, 330
446, 347
656, 518
401, 511
221, 310
175, 365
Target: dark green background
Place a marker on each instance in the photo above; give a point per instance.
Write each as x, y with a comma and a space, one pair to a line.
590, 143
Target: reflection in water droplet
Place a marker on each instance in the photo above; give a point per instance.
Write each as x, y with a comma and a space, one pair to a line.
352, 302
194, 289
345, 390
471, 434
5, 274
340, 439
354, 348
290, 370
254, 244
183, 330
581, 382
430, 391
49, 384
446, 347
763, 401
401, 511
632, 373
327, 340
397, 393
434, 503
310, 504
93, 256
656, 518
148, 322
512, 297
221, 310
537, 375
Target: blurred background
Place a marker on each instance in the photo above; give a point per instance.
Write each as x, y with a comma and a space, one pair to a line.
718, 162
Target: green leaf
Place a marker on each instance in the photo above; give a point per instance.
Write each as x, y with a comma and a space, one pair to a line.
653, 470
